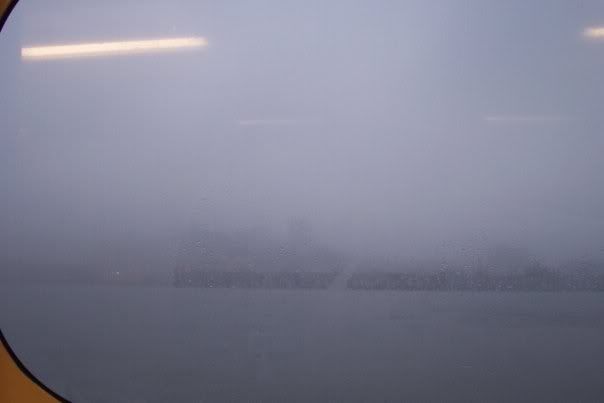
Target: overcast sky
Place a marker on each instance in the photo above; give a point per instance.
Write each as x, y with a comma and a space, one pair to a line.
408, 128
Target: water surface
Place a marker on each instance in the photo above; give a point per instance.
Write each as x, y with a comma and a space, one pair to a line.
127, 344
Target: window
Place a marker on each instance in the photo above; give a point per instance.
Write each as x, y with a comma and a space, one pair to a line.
304, 201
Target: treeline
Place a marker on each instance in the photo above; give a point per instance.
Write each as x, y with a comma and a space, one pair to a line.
534, 278
61, 274
250, 279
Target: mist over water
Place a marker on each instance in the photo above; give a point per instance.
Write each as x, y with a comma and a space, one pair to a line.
263, 182
407, 130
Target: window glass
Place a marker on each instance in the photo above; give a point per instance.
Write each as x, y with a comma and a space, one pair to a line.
304, 200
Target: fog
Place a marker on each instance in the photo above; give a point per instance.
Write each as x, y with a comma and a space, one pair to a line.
407, 129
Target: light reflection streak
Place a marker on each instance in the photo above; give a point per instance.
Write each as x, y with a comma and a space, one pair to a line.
96, 49
594, 33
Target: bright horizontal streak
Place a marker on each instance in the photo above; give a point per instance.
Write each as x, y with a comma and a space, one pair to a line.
594, 32
111, 48
268, 122
524, 119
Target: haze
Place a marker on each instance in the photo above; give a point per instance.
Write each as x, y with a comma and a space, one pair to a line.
412, 129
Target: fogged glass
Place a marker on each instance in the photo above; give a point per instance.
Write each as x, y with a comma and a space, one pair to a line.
304, 201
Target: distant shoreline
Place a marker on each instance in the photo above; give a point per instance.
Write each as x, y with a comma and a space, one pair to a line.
531, 279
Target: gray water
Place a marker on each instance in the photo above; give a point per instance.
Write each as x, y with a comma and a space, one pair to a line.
103, 344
